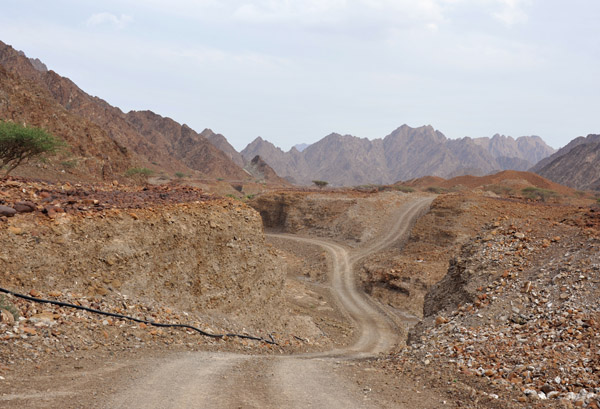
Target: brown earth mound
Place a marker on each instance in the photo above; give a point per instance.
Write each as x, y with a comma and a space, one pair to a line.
426, 181
512, 179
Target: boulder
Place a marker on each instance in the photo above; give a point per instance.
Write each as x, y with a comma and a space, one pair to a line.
25, 207
7, 211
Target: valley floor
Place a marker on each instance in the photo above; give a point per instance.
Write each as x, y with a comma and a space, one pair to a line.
508, 290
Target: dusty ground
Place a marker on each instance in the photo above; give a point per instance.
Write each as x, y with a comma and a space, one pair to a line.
508, 287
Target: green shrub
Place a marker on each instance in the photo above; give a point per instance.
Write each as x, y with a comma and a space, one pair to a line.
436, 189
320, 183
405, 189
536, 193
20, 143
499, 190
179, 175
69, 164
139, 172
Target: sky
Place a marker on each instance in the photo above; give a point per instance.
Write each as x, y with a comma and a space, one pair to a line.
293, 71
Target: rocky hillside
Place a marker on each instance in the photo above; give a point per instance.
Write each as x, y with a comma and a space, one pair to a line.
103, 140
264, 173
576, 165
186, 145
405, 154
220, 142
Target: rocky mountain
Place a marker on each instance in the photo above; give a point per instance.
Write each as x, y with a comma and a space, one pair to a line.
220, 142
406, 153
104, 140
576, 165
301, 146
564, 150
529, 149
183, 143
264, 173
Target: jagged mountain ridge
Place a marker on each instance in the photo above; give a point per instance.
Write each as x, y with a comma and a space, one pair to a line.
406, 153
576, 165
106, 140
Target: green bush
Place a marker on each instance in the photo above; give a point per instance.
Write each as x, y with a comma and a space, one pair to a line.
499, 190
20, 143
69, 164
436, 189
405, 189
139, 172
537, 193
179, 175
320, 183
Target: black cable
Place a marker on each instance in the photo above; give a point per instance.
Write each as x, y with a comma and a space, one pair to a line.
156, 324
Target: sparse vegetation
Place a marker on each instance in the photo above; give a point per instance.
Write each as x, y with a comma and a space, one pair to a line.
179, 175
436, 189
20, 143
320, 183
69, 164
536, 193
8, 306
145, 172
405, 189
500, 190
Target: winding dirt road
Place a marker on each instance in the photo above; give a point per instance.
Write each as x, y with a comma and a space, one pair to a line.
224, 380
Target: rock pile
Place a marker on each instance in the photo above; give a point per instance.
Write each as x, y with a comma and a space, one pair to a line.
527, 317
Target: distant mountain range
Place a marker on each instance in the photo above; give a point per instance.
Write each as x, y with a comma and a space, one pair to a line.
576, 165
406, 153
105, 142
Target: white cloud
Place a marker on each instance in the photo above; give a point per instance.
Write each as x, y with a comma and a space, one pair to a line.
512, 12
108, 19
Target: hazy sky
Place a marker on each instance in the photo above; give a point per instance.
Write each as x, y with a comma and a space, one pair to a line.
294, 71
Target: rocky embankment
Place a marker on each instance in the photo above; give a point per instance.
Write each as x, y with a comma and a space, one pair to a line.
518, 310
347, 216
167, 254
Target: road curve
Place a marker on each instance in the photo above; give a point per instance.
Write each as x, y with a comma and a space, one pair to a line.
376, 331
226, 380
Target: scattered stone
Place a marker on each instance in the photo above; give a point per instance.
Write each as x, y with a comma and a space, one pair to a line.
15, 230
25, 207
7, 211
35, 293
7, 318
440, 320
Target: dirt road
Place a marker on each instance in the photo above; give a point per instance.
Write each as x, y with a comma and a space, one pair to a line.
222, 380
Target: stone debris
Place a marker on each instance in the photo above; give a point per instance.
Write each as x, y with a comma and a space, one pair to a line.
531, 322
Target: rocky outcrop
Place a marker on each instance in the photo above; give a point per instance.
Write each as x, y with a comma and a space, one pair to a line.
184, 144
406, 153
577, 165
200, 256
263, 173
221, 143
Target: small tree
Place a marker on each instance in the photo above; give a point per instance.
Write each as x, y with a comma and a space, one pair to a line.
320, 183
20, 143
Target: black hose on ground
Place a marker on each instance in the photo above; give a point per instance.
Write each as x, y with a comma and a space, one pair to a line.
126, 317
